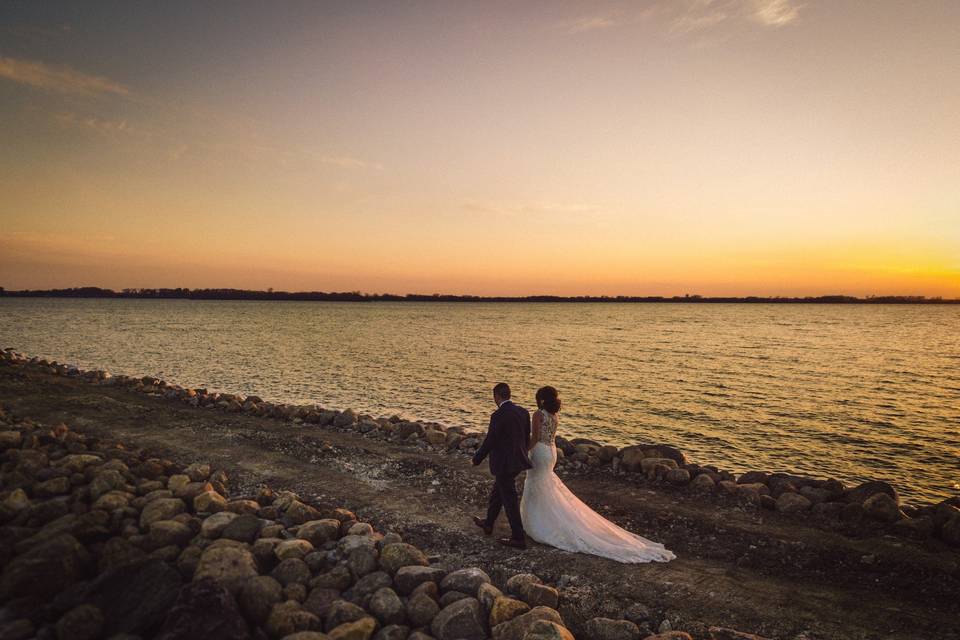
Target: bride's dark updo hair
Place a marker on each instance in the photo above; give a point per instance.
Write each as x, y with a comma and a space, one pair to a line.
548, 400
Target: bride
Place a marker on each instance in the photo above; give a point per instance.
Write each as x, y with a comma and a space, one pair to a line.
552, 515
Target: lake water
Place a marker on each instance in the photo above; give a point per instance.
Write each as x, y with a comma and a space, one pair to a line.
849, 391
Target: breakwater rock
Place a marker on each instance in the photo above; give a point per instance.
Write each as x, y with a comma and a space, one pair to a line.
872, 505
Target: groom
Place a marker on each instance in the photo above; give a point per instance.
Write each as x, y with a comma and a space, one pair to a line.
506, 444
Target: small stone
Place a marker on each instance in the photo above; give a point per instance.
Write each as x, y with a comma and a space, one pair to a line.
703, 483
319, 600
392, 632
300, 513
340, 612
517, 628
338, 578
790, 502
295, 548
505, 608
243, 528
421, 609
361, 629
609, 629
395, 556
197, 472
289, 617
209, 502
547, 630
241, 507
538, 595
881, 507
213, 526
295, 591
319, 532
291, 570
387, 606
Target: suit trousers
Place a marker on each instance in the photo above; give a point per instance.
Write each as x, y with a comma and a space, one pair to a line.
504, 496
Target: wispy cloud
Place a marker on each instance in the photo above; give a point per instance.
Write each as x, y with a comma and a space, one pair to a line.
62, 79
528, 208
345, 162
100, 125
586, 23
703, 15
775, 13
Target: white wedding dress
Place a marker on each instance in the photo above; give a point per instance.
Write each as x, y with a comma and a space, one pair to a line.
552, 515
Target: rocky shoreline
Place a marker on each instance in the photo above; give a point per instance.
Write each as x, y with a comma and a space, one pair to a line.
614, 602
830, 501
104, 541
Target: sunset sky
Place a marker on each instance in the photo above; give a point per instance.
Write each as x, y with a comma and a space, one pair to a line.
725, 147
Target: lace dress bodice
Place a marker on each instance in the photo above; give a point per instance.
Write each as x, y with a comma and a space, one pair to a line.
548, 427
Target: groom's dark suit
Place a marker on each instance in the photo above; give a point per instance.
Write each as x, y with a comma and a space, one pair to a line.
506, 444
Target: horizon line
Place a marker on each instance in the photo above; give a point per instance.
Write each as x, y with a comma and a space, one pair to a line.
229, 293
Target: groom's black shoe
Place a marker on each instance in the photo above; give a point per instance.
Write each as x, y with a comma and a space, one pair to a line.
482, 523
510, 542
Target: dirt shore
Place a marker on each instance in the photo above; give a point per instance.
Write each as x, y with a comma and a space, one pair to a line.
740, 567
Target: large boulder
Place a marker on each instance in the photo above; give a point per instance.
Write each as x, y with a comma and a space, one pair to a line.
45, 569
462, 620
134, 598
203, 610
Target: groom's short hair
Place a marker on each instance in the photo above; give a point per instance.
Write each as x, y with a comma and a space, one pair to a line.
502, 390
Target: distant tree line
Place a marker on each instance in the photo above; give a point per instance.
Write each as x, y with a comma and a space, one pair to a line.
355, 296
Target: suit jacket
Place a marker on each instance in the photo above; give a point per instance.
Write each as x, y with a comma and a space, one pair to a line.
506, 441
